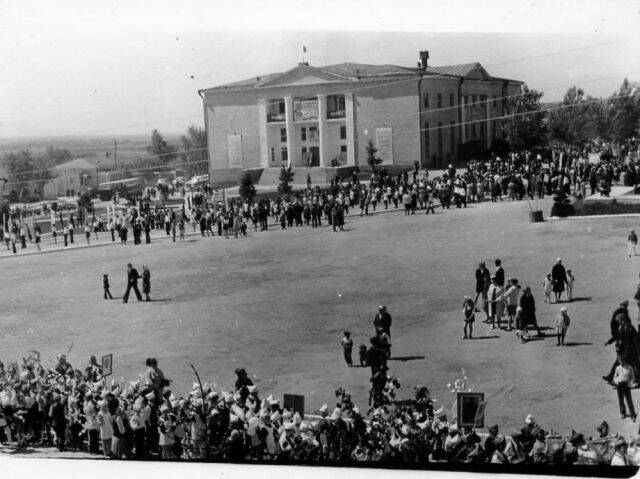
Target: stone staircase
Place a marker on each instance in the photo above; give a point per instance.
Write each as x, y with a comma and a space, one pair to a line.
319, 176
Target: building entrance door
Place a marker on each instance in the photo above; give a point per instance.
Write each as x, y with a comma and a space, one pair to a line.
315, 155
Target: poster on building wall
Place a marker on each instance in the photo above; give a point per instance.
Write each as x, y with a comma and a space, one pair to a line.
305, 110
384, 144
235, 151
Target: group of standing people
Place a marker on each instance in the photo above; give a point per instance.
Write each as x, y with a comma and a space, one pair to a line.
500, 297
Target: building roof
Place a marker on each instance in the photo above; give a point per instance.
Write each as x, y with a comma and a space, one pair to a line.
77, 164
354, 72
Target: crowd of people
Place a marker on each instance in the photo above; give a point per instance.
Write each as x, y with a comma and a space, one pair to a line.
515, 176
80, 409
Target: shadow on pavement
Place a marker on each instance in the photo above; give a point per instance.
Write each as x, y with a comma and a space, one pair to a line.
406, 358
578, 344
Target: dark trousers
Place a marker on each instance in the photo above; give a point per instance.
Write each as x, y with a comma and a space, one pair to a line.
113, 236
347, 356
60, 431
66, 240
125, 298
140, 441
107, 294
560, 338
71, 236
147, 236
625, 393
94, 441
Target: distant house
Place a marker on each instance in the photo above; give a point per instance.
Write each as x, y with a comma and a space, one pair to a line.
72, 178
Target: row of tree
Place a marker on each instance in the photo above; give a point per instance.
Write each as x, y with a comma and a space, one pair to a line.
575, 121
28, 173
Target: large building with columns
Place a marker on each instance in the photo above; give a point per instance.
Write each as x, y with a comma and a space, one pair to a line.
325, 116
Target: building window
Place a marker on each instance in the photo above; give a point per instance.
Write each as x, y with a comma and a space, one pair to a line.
341, 103
343, 148
439, 100
473, 100
303, 133
273, 155
466, 100
343, 132
283, 135
283, 154
451, 99
452, 137
281, 107
313, 133
467, 130
495, 102
482, 130
473, 130
425, 132
426, 100
440, 138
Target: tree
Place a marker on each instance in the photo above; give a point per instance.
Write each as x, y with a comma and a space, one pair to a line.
161, 149
624, 112
526, 129
27, 175
570, 123
372, 158
247, 190
193, 152
286, 178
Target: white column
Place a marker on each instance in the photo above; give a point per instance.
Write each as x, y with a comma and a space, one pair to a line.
352, 143
488, 128
322, 127
262, 128
463, 126
288, 114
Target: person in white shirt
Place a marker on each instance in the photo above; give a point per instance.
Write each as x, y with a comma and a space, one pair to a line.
106, 430
622, 377
620, 456
511, 299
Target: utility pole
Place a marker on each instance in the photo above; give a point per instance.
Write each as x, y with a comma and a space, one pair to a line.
115, 156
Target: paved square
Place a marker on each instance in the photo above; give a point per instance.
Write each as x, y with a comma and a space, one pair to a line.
276, 303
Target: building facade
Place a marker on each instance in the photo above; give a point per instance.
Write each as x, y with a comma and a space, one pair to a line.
326, 116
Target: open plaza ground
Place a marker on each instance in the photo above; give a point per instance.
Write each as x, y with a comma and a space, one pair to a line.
277, 302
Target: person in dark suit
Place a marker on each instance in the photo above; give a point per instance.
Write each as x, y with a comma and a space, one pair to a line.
528, 305
146, 282
132, 282
483, 280
382, 321
559, 276
499, 274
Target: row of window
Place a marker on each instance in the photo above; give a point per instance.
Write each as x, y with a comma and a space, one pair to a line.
471, 133
469, 100
310, 134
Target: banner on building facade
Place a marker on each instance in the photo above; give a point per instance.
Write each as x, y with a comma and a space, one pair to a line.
235, 151
305, 110
384, 144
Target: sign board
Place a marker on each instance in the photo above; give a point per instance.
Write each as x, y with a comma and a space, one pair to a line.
235, 151
305, 110
107, 365
471, 407
384, 144
594, 158
294, 403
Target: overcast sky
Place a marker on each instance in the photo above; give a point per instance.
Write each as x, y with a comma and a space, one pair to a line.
108, 68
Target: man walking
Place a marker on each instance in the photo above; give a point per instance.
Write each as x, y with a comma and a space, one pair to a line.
382, 321
132, 282
632, 242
